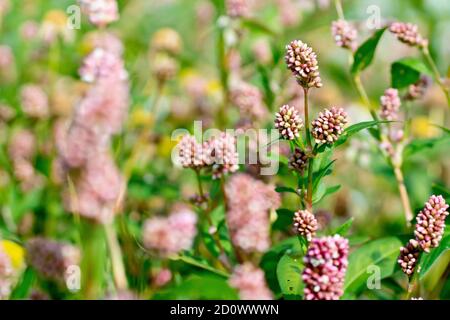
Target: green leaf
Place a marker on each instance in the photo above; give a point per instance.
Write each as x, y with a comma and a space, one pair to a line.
382, 253
364, 54
323, 171
23, 288
257, 26
200, 287
201, 265
269, 261
344, 228
289, 276
285, 189
443, 191
434, 264
418, 145
284, 219
269, 96
407, 71
322, 192
350, 131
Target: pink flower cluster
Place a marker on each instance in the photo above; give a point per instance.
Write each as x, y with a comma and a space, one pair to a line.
302, 61
101, 64
390, 104
325, 267
248, 204
218, 153
51, 259
344, 34
100, 12
34, 101
22, 149
84, 143
408, 33
249, 100
430, 223
238, 8
288, 122
250, 282
6, 275
99, 190
170, 235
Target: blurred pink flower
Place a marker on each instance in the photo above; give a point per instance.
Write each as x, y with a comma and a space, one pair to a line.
222, 153
238, 8
100, 12
249, 100
250, 283
77, 142
107, 41
390, 104
50, 258
29, 30
101, 64
162, 277
6, 58
105, 107
172, 234
344, 34
34, 101
22, 145
6, 275
408, 33
192, 153
248, 204
99, 190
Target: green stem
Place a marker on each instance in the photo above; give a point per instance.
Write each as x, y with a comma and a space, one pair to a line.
306, 109
226, 264
120, 278
310, 149
339, 9
309, 204
93, 260
436, 74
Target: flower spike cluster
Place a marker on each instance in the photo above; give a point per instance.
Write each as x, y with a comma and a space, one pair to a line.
325, 266
430, 225
329, 125
170, 235
288, 122
302, 61
344, 34
218, 153
408, 33
305, 224
390, 104
249, 201
298, 160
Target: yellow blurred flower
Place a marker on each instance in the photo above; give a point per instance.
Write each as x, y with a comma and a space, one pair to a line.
422, 128
167, 40
15, 252
141, 118
54, 25
165, 146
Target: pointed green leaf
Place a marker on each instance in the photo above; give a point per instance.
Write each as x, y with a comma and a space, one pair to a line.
364, 54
